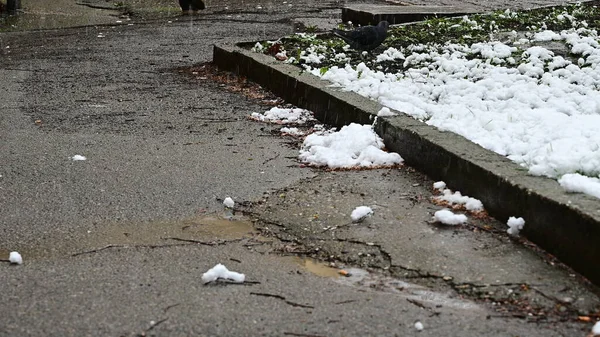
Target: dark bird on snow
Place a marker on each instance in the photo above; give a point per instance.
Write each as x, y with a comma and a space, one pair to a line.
364, 38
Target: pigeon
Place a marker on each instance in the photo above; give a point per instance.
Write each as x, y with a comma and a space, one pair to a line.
364, 38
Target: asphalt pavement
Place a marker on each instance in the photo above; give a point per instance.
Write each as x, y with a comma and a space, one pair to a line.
116, 245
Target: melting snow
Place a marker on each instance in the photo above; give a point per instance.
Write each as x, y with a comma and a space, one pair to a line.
515, 225
220, 271
360, 213
446, 217
15, 258
353, 146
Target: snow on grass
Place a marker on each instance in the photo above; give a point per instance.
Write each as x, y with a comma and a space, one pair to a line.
228, 202
520, 100
221, 272
515, 225
360, 213
575, 182
15, 258
284, 116
446, 217
353, 146
78, 157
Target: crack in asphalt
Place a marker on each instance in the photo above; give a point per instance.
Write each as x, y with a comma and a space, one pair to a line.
279, 297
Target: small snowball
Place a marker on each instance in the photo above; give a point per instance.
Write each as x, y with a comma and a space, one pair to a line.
440, 185
78, 157
515, 225
596, 329
228, 202
446, 217
220, 271
385, 112
15, 258
360, 213
419, 326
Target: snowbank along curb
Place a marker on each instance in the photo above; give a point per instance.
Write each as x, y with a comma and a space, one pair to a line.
566, 225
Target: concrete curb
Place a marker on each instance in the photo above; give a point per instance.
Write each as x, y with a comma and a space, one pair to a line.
565, 225
370, 14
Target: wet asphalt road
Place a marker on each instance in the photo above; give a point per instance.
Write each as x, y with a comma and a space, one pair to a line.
104, 239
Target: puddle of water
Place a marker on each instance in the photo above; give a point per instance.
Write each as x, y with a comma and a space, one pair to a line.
319, 268
315, 267
44, 14
54, 14
205, 228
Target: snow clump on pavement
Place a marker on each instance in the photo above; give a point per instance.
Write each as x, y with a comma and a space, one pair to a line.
15, 258
78, 157
360, 213
228, 202
352, 146
221, 272
439, 185
456, 198
446, 217
284, 116
515, 225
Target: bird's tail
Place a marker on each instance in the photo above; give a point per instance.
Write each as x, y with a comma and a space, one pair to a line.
342, 34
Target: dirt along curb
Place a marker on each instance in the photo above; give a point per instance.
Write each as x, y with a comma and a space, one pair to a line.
565, 225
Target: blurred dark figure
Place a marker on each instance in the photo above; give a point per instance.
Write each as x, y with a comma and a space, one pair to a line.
194, 5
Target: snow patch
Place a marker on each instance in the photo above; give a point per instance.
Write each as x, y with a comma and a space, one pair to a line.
515, 225
78, 157
386, 112
360, 213
284, 116
228, 202
220, 271
446, 217
577, 183
596, 329
353, 146
439, 185
15, 258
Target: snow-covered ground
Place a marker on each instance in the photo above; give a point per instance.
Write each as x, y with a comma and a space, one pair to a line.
514, 97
